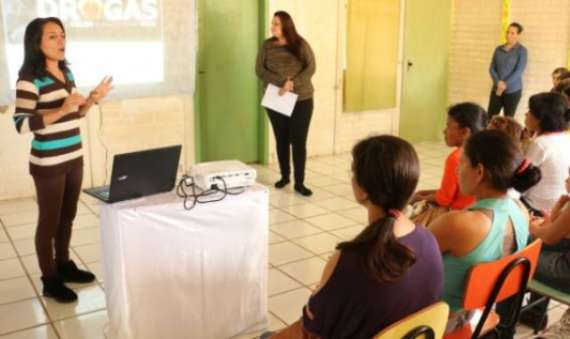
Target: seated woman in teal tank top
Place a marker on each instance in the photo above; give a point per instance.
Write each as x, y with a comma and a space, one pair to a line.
495, 226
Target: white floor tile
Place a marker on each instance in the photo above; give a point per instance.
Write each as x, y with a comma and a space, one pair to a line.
348, 233
3, 235
280, 282
85, 221
89, 300
88, 253
275, 238
86, 236
25, 246
22, 231
319, 243
21, 315
289, 306
41, 332
337, 204
15, 206
286, 252
17, 289
11, 268
89, 326
358, 214
307, 271
295, 229
7, 251
20, 218
278, 216
306, 210
331, 221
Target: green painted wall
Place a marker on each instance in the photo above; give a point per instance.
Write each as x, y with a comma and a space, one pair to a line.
228, 123
424, 92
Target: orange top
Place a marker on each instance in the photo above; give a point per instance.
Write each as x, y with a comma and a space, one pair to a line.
448, 194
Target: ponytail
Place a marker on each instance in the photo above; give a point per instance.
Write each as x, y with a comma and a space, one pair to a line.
385, 258
526, 176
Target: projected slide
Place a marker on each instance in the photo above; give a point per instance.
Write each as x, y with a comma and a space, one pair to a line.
122, 38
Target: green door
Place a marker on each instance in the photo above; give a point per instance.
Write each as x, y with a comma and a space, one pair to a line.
228, 121
426, 50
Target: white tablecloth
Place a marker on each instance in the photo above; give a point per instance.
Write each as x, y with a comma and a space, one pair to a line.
172, 273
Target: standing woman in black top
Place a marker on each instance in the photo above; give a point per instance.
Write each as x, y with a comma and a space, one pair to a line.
287, 61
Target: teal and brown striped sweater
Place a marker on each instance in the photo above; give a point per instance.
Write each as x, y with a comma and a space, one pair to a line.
56, 148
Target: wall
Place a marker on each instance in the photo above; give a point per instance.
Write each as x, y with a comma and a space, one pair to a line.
476, 32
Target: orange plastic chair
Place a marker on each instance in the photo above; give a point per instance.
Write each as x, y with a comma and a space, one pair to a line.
428, 322
492, 282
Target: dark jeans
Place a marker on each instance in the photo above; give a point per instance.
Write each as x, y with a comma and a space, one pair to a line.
57, 200
508, 102
553, 269
292, 131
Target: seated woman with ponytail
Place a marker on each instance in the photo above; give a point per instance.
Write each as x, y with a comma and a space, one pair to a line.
393, 268
496, 225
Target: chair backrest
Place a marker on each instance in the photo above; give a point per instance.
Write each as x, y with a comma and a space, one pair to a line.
431, 318
491, 282
483, 277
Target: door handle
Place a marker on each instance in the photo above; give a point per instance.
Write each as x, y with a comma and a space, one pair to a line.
409, 65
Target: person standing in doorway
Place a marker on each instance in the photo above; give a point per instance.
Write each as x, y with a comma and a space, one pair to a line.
287, 61
507, 67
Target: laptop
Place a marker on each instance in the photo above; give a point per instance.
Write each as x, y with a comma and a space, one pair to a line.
139, 174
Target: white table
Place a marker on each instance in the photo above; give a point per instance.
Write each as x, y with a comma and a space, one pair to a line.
172, 273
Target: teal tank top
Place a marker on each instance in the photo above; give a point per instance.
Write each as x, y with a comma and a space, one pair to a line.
490, 249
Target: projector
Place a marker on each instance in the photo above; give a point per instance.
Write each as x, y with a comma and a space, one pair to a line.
233, 172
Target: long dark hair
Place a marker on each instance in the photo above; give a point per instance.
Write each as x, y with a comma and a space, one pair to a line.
34, 59
294, 40
505, 165
387, 169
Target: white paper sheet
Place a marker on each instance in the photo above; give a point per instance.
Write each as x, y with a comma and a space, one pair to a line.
283, 104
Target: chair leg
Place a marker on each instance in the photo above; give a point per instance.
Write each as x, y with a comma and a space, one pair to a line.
540, 325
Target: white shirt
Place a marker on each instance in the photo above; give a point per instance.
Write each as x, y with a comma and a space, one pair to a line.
551, 153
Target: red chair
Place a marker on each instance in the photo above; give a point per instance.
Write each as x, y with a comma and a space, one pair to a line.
492, 282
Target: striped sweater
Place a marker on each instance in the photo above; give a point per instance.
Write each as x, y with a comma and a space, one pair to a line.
56, 148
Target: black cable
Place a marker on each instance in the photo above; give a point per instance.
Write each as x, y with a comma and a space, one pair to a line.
192, 198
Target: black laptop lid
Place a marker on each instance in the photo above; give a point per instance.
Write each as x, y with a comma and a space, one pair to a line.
143, 173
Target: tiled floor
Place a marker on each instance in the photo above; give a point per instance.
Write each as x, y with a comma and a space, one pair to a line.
303, 233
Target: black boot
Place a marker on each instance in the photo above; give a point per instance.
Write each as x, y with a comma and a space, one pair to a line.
282, 183
54, 288
304, 191
70, 273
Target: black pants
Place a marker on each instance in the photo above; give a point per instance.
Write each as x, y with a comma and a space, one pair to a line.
292, 131
57, 201
508, 102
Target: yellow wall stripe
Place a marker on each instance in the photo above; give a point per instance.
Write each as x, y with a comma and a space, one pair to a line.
505, 19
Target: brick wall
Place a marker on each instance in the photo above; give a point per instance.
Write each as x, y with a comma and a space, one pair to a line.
476, 32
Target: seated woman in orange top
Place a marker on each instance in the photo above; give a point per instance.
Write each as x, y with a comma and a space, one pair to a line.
463, 120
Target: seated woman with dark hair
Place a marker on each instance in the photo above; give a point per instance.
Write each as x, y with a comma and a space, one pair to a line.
393, 268
496, 225
548, 116
463, 120
553, 266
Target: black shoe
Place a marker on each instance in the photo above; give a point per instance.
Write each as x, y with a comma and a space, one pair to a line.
54, 288
70, 273
534, 320
302, 190
282, 183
